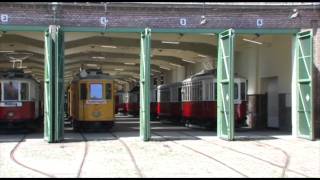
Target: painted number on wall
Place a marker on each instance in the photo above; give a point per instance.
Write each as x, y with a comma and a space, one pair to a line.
4, 17
183, 21
259, 22
103, 20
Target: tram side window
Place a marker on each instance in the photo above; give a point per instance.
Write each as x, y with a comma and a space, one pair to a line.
243, 91
215, 91
83, 91
95, 91
189, 92
156, 97
24, 91
193, 90
236, 92
11, 91
200, 92
108, 91
179, 95
211, 91
186, 93
0, 92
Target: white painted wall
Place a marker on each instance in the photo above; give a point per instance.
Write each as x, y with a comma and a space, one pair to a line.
245, 65
193, 68
276, 61
206, 63
268, 60
175, 75
294, 91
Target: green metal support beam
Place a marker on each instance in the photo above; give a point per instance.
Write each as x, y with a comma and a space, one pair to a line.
183, 30
23, 28
145, 84
54, 85
304, 70
48, 87
225, 83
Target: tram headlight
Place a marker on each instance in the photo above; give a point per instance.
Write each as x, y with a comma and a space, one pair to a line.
10, 114
96, 113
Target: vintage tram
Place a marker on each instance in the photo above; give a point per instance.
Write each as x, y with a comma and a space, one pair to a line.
91, 99
199, 99
153, 103
20, 99
120, 102
133, 101
169, 102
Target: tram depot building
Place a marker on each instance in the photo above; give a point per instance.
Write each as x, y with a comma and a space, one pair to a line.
159, 89
274, 46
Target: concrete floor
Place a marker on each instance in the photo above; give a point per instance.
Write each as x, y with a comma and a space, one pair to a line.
174, 151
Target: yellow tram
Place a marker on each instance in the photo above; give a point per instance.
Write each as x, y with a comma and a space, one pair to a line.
91, 99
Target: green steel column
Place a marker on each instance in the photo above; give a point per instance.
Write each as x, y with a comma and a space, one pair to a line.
145, 85
304, 68
54, 90
225, 83
48, 78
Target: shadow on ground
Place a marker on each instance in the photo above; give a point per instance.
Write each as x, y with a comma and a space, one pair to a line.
126, 126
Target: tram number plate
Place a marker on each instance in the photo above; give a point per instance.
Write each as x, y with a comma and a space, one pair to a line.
10, 104
96, 102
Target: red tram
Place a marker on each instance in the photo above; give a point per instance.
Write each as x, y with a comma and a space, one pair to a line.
192, 101
199, 99
116, 111
132, 105
19, 98
121, 99
169, 101
132, 102
153, 104
118, 102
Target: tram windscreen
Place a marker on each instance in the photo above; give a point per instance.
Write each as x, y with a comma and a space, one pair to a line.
215, 91
24, 91
108, 91
236, 91
243, 91
96, 91
83, 91
11, 90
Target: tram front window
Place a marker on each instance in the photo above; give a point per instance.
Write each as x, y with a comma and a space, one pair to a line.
11, 91
96, 91
24, 92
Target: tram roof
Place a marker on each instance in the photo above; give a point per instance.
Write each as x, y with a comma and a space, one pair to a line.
92, 74
15, 73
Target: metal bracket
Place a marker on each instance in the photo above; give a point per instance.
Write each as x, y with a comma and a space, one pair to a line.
54, 8
105, 12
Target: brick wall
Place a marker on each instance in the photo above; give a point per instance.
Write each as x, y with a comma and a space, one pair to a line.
157, 16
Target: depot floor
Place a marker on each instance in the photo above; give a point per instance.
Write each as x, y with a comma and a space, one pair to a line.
174, 151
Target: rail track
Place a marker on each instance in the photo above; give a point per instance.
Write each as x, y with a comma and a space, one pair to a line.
12, 156
84, 154
14, 159
130, 154
203, 154
284, 167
